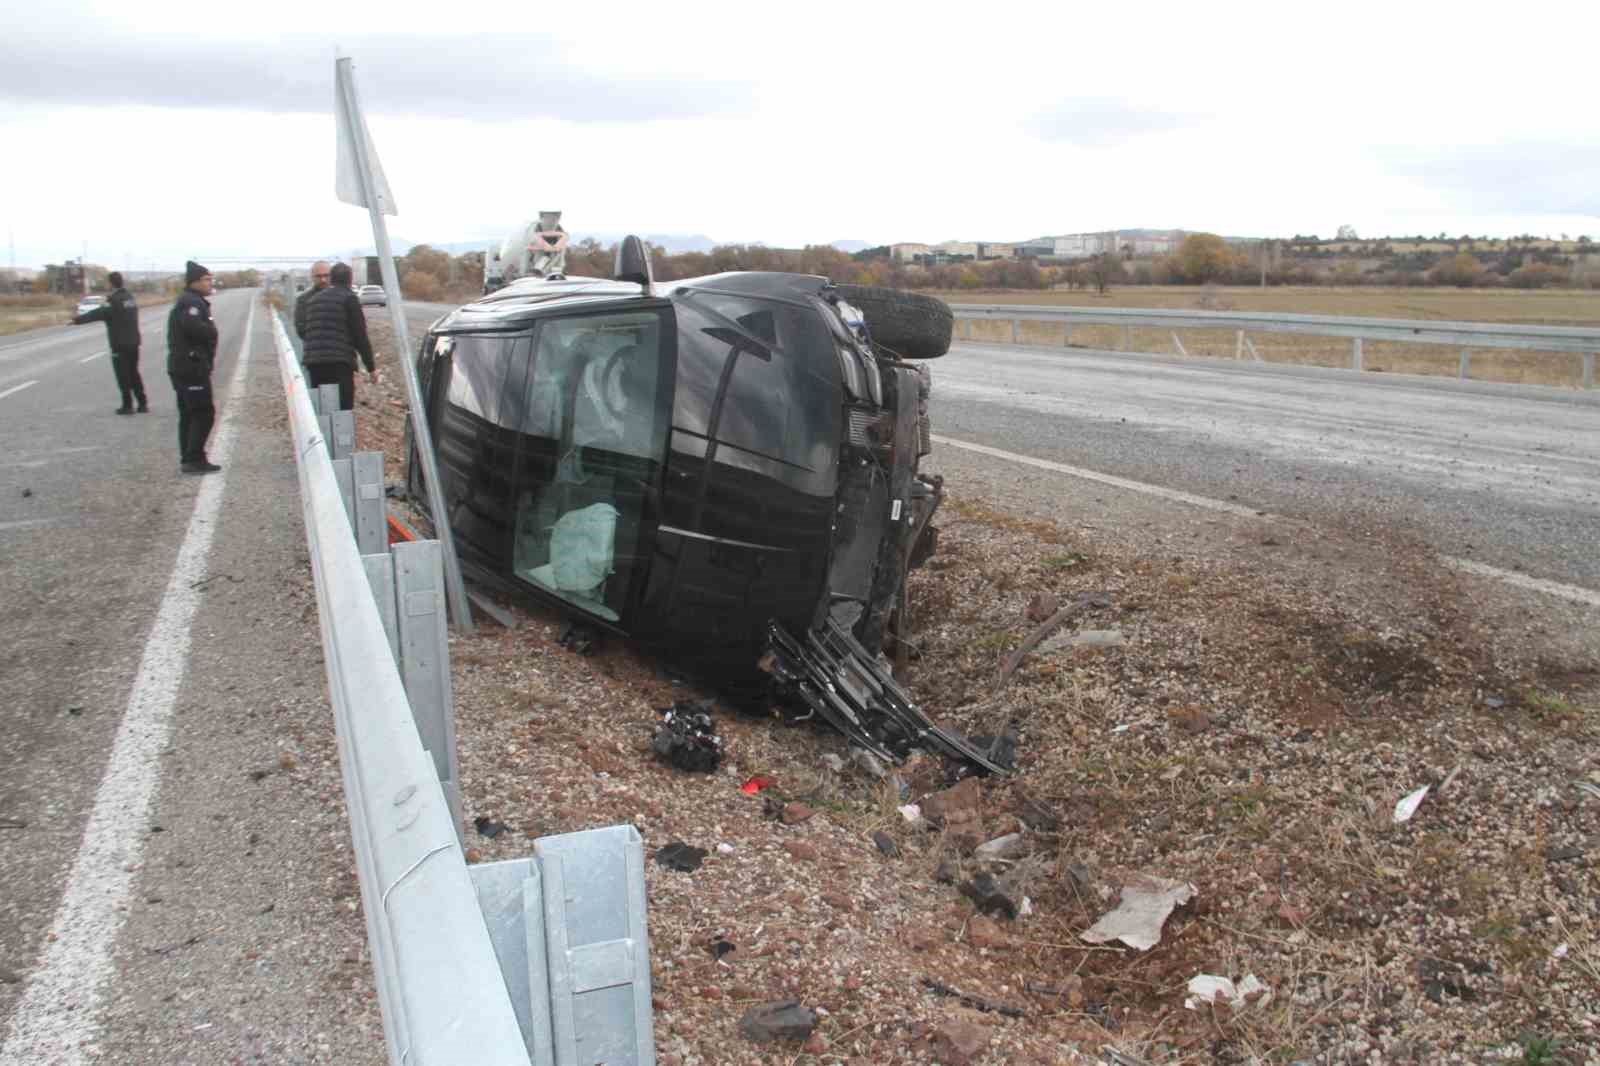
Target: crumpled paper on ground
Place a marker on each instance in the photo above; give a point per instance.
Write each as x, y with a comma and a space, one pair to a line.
1137, 921
1209, 988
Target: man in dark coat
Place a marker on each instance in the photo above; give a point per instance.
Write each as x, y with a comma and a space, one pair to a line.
121, 315
319, 281
191, 353
336, 332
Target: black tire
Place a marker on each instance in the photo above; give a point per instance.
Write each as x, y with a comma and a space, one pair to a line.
907, 324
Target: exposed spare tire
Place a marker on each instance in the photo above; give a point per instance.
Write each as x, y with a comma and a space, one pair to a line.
908, 324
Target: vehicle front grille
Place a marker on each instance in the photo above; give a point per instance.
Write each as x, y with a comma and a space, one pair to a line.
861, 425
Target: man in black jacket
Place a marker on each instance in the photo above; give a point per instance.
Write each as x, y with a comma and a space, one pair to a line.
121, 315
191, 353
319, 281
336, 332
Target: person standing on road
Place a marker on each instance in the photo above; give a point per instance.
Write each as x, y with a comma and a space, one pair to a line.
336, 332
191, 353
120, 313
319, 281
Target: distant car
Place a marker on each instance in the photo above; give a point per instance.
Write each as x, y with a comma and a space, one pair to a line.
373, 294
89, 303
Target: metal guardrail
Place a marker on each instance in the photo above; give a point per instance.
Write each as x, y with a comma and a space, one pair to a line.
1578, 340
440, 986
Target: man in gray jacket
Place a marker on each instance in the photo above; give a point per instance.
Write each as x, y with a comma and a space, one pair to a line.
336, 332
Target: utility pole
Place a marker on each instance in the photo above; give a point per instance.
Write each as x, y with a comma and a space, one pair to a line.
83, 267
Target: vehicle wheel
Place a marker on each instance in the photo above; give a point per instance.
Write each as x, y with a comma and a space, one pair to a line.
908, 324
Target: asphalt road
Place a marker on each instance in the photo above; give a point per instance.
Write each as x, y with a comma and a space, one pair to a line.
1504, 476
237, 939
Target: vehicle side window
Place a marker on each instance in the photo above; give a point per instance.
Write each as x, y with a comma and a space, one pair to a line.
477, 374
591, 442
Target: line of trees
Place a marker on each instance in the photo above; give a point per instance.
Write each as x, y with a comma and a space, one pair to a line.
427, 273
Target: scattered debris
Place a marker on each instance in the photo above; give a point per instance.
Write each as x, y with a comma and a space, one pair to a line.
947, 872
1138, 918
1209, 988
487, 827
720, 947
756, 784
1593, 790
725, 849
13, 823
781, 1020
984, 892
1086, 638
912, 813
687, 738
939, 988
940, 807
681, 857
26, 493
886, 844
1026, 909
1408, 804
833, 762
1002, 849
1001, 748
868, 762
795, 813
75, 710
959, 1042
579, 638
1047, 627
484, 605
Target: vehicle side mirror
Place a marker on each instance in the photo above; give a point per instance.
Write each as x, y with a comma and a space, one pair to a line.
633, 263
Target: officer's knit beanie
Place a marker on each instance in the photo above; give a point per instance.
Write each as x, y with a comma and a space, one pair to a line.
193, 272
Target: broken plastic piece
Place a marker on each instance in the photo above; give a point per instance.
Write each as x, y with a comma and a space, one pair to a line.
755, 784
687, 739
1209, 988
984, 892
1408, 804
681, 857
488, 827
1138, 918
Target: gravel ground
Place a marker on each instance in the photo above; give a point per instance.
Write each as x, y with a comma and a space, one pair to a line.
1276, 690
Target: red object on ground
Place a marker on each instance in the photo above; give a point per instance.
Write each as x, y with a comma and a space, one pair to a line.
755, 784
398, 532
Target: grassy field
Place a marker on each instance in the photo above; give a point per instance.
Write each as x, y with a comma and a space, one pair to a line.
1514, 306
21, 313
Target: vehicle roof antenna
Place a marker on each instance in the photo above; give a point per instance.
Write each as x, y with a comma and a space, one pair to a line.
633, 264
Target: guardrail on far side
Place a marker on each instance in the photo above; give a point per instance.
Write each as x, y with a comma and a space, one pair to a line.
1466, 336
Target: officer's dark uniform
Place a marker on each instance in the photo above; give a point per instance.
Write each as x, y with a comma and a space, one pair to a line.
335, 333
121, 315
191, 352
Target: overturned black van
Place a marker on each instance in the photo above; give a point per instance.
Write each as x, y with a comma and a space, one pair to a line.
724, 468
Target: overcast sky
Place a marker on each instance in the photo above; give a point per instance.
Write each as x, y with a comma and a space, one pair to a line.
156, 132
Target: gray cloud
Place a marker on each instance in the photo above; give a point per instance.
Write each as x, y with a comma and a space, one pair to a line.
486, 76
1099, 122
1527, 177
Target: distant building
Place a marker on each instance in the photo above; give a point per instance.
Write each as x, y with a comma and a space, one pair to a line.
908, 253
990, 250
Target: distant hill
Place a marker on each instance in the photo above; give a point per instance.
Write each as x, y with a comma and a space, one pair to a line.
850, 247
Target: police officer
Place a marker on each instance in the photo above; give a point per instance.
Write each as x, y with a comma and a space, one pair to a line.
191, 352
121, 315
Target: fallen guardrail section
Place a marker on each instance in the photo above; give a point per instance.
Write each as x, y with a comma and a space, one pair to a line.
1578, 340
541, 960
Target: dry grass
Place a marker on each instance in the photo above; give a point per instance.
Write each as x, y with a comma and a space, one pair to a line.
1517, 307
18, 314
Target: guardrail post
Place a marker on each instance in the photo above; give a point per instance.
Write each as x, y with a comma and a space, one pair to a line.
1355, 354
425, 658
1066, 336
1016, 327
1127, 338
372, 533
380, 575
344, 474
1179, 344
1238, 345
1461, 368
327, 399
344, 432
1250, 344
1588, 370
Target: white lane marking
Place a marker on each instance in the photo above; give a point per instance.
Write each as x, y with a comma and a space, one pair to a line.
1509, 577
57, 1018
13, 390
1523, 581
1104, 479
96, 355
